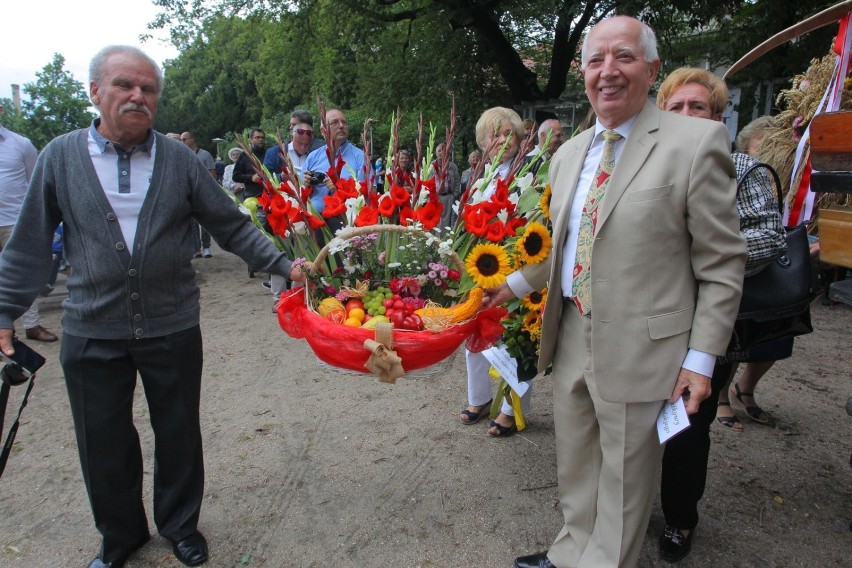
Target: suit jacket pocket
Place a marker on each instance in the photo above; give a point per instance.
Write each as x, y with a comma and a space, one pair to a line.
674, 323
650, 194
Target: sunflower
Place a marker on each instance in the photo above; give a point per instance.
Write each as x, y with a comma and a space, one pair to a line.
488, 265
534, 246
532, 325
535, 301
544, 202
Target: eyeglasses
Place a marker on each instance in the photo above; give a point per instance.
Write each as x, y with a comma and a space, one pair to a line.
303, 131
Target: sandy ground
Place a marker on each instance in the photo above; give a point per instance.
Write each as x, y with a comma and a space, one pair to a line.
307, 467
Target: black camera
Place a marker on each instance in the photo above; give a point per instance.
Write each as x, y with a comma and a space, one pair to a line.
316, 177
20, 366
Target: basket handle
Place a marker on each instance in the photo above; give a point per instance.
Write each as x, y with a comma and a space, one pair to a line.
350, 232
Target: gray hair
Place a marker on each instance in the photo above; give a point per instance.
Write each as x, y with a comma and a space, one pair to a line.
647, 41
546, 126
96, 66
756, 127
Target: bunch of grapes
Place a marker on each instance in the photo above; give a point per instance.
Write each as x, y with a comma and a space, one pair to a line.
374, 300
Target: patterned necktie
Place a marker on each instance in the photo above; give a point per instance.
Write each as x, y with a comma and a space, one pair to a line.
582, 284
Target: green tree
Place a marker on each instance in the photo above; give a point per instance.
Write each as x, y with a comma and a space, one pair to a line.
12, 118
57, 104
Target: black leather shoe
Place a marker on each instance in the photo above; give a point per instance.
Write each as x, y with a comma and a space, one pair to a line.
539, 560
674, 547
191, 550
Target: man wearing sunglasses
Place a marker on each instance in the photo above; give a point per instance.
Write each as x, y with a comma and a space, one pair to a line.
298, 118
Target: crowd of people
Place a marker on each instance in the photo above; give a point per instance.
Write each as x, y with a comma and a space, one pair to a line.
652, 239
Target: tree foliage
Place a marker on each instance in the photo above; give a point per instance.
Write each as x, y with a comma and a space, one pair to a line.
247, 62
57, 103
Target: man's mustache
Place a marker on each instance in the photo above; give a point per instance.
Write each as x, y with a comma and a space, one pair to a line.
133, 106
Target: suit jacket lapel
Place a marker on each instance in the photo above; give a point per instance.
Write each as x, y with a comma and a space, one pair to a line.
637, 147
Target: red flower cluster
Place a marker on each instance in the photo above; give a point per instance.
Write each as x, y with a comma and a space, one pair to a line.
282, 208
392, 207
482, 219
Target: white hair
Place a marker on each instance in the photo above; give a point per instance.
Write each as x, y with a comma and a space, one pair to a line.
545, 126
647, 41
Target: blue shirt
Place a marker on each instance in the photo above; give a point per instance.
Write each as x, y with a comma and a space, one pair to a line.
272, 161
317, 161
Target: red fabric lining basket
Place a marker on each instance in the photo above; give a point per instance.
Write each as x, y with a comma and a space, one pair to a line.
343, 346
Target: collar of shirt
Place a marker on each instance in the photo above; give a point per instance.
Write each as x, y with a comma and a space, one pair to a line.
597, 142
147, 146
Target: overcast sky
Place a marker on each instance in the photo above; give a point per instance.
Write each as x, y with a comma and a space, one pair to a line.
34, 31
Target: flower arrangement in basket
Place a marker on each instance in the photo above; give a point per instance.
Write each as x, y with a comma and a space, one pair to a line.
388, 268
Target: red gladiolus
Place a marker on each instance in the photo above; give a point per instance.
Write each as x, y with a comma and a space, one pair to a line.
490, 209
399, 194
278, 223
429, 184
306, 193
406, 216
386, 206
346, 188
429, 215
334, 206
512, 226
476, 221
453, 274
501, 194
367, 216
314, 222
495, 231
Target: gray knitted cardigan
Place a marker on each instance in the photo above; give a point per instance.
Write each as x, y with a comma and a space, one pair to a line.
113, 294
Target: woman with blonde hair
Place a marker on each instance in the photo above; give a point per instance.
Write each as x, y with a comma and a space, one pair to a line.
496, 126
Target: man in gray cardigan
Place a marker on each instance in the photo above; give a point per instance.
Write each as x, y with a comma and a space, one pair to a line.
126, 195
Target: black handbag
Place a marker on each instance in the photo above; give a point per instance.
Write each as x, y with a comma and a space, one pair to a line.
775, 303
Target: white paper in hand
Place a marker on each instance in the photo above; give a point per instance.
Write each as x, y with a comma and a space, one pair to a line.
672, 420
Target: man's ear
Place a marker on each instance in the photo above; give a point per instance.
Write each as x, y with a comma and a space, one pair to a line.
93, 93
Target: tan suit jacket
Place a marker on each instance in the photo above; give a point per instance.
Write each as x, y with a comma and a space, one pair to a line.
667, 260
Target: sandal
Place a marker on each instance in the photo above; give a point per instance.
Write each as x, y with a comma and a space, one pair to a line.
468, 417
497, 430
754, 412
731, 422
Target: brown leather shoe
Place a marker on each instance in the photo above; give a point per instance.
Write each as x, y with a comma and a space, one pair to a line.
38, 333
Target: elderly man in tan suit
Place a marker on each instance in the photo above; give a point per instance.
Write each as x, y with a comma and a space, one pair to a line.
643, 292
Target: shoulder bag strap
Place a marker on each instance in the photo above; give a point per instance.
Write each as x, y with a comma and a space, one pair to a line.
775, 178
13, 429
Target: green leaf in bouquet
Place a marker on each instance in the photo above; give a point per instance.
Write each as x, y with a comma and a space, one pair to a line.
529, 200
543, 173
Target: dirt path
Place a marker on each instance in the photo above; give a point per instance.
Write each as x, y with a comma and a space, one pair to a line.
307, 467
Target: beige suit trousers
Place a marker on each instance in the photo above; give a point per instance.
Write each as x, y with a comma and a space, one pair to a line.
608, 459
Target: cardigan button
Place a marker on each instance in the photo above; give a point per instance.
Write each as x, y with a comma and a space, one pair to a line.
111, 216
132, 272
120, 246
134, 296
